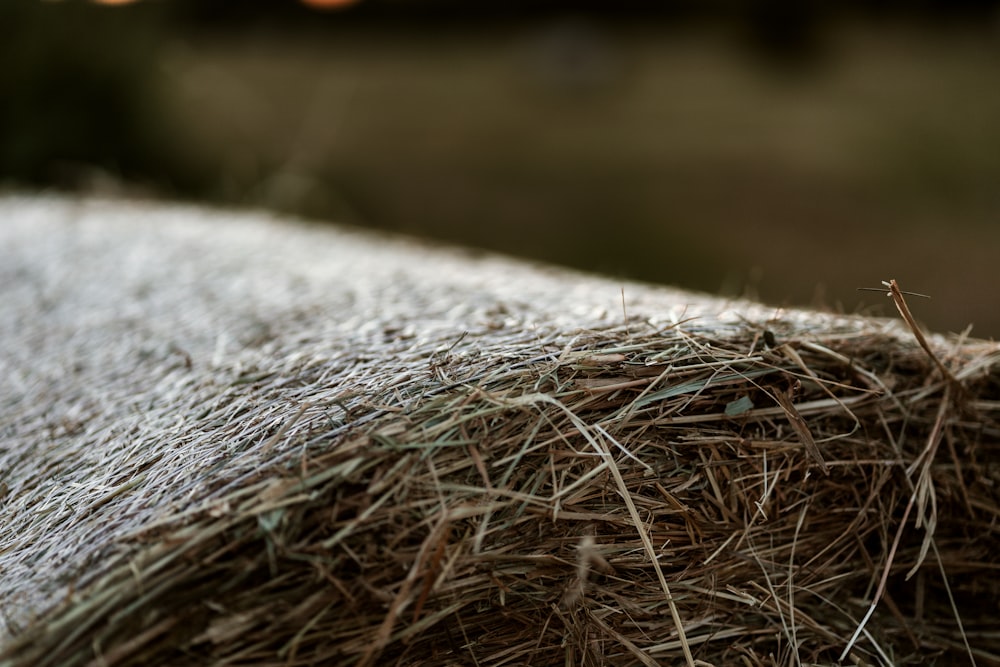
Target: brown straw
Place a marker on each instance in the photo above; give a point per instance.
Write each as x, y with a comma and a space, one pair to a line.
234, 441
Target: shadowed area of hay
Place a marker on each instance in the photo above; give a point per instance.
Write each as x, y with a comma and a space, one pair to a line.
235, 441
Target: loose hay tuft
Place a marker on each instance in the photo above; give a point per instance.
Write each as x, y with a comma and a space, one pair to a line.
494, 491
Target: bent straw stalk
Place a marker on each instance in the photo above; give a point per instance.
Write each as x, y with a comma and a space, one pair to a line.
923, 489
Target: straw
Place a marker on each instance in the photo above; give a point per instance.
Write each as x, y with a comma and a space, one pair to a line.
512, 491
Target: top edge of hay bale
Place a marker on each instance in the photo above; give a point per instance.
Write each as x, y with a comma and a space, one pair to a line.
229, 438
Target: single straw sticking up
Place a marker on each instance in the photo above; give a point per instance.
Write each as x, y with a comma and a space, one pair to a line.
898, 299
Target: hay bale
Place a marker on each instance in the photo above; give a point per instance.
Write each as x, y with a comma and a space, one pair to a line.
229, 439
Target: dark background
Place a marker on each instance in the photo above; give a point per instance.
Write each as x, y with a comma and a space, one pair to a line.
787, 151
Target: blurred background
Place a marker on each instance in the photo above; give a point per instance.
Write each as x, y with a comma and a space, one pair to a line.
790, 151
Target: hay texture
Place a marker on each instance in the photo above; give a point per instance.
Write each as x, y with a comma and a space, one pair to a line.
234, 440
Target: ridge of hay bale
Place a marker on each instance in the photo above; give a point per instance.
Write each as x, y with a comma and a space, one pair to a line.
228, 439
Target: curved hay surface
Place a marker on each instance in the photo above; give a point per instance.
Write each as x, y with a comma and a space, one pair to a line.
232, 440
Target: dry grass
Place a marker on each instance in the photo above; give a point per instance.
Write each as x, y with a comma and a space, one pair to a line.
700, 492
531, 504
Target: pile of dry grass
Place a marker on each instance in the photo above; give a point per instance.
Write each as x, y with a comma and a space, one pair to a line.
502, 487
